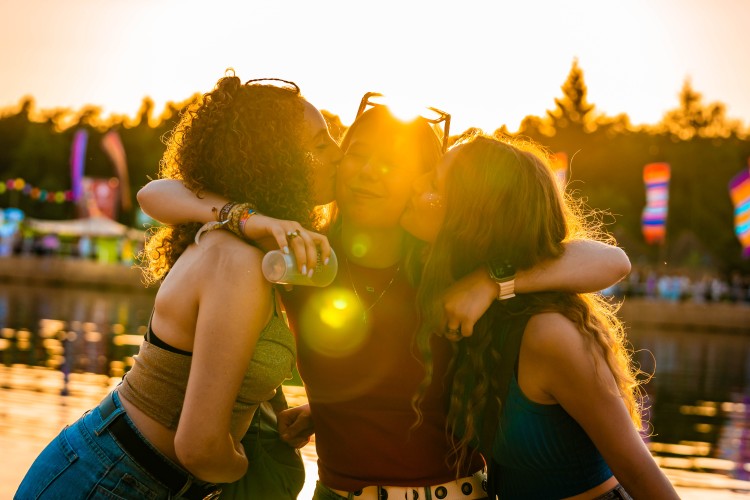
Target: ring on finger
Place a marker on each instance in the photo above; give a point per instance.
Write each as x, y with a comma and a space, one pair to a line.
292, 234
453, 334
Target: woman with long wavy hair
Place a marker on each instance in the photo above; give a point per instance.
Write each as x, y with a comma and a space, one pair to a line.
216, 348
563, 422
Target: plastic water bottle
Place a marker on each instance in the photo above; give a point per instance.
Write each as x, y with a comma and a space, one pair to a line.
281, 268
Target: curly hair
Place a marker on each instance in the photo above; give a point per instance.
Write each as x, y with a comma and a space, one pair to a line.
243, 142
504, 203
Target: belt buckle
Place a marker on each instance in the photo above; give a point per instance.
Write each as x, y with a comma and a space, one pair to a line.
213, 494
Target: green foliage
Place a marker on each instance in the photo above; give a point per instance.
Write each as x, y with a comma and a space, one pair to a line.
36, 147
572, 109
704, 148
694, 119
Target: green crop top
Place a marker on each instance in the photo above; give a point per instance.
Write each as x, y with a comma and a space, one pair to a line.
157, 381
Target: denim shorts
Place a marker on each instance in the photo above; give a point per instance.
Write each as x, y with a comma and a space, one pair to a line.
85, 461
616, 493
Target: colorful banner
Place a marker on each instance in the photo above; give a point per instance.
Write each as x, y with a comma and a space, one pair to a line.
559, 162
77, 162
112, 145
739, 191
100, 196
654, 219
35, 193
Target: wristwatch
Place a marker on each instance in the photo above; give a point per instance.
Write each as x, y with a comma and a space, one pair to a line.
504, 274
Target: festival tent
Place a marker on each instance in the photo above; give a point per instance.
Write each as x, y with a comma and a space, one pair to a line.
114, 242
96, 226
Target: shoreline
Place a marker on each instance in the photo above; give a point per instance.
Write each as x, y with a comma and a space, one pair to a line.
73, 272
685, 316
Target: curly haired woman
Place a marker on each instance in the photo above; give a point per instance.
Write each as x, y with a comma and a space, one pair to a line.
216, 347
568, 419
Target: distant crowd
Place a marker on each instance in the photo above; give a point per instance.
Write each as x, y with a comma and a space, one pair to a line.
680, 286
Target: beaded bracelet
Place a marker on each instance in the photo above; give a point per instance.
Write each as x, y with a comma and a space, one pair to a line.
237, 216
243, 218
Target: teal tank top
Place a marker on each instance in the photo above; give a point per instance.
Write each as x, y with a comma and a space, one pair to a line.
541, 452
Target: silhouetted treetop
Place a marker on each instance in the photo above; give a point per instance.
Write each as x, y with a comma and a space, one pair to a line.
694, 118
573, 108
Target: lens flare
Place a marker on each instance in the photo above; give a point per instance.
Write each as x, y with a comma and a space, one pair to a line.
333, 323
361, 244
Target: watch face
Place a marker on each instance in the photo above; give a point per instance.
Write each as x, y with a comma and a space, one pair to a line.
501, 269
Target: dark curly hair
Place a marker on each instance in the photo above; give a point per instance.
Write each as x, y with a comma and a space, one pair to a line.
243, 142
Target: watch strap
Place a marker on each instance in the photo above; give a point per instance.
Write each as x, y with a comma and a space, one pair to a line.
506, 289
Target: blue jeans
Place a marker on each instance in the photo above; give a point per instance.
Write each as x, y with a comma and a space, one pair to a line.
616, 493
85, 461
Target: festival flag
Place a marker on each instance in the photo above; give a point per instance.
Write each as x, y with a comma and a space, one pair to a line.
100, 195
654, 219
112, 145
739, 191
560, 167
77, 161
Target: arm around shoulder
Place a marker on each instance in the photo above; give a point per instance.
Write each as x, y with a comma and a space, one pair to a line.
585, 266
170, 202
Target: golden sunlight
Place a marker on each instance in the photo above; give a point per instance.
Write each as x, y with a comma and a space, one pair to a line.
336, 318
404, 107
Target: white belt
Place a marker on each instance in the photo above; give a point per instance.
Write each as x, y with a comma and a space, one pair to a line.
465, 488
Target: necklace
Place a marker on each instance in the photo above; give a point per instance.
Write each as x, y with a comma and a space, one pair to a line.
369, 289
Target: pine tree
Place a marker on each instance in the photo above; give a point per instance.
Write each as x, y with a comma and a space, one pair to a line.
694, 118
573, 109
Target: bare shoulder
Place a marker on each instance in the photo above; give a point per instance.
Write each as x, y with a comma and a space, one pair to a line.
552, 336
221, 255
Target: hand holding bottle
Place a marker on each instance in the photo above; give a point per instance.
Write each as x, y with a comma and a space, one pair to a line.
279, 267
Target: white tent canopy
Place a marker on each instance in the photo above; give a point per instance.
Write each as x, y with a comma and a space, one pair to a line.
97, 226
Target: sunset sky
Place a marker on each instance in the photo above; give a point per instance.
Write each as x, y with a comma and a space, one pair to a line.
488, 62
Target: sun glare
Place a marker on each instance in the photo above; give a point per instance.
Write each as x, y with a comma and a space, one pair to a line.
403, 107
335, 320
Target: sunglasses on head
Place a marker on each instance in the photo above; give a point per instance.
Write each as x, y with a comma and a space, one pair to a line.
434, 116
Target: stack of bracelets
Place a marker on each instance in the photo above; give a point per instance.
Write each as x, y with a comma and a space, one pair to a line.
233, 217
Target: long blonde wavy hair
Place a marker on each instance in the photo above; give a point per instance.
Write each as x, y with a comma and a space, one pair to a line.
503, 202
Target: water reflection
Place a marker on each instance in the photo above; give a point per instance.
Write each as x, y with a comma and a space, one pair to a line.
699, 400
72, 330
698, 396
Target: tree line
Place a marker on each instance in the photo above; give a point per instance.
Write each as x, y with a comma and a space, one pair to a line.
703, 146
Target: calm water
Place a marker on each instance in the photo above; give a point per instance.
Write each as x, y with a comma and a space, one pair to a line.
71, 330
699, 396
